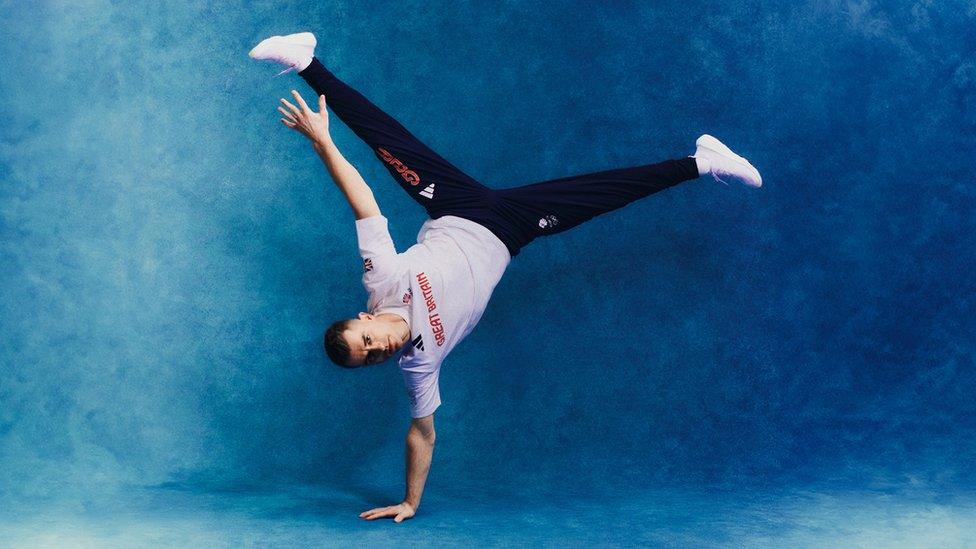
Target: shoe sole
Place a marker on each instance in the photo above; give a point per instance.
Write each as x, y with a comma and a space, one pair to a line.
713, 144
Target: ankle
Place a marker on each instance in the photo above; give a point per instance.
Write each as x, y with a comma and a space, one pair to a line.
704, 166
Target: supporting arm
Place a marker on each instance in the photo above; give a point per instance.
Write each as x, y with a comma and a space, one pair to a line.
420, 450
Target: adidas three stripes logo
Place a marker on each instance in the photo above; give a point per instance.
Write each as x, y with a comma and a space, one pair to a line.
418, 342
428, 192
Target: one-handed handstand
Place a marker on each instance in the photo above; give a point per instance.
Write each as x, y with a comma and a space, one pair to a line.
424, 301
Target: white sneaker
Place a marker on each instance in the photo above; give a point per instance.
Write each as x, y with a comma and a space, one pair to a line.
722, 162
295, 51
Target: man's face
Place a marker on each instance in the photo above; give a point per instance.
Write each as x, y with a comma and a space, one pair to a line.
370, 341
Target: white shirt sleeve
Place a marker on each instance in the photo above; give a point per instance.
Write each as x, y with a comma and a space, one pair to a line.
425, 394
380, 260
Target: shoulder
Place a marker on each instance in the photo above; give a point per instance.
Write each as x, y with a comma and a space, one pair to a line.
418, 359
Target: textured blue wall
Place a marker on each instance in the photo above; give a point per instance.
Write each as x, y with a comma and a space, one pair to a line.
169, 255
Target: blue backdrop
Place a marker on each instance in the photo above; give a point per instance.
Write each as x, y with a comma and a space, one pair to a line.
170, 255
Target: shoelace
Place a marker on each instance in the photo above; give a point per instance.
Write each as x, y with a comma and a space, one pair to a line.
286, 71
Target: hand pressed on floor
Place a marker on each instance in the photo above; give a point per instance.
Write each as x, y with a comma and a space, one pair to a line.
400, 512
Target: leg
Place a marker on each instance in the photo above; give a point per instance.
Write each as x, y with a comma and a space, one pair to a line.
523, 213
432, 181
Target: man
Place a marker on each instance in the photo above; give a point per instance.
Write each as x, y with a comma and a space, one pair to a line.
424, 301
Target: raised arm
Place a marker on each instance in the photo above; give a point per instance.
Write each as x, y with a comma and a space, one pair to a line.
315, 126
420, 450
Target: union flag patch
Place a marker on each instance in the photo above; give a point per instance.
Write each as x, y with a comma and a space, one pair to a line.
367, 265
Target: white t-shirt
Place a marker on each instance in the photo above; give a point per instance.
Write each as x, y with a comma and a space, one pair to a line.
440, 286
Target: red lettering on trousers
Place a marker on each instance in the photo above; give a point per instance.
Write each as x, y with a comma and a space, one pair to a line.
406, 173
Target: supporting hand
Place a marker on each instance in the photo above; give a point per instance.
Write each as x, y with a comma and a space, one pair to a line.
399, 512
311, 124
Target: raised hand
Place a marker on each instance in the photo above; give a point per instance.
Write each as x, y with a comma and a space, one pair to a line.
399, 512
311, 124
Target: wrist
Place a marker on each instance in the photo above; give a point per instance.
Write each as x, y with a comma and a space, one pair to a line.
322, 143
411, 504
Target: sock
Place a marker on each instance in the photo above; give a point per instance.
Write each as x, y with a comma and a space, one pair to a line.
303, 63
704, 166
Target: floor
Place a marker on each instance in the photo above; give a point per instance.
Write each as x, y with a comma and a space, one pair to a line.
183, 516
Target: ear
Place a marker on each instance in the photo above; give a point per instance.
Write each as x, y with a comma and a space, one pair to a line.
365, 316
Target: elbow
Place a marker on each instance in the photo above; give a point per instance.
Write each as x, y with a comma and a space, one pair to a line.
422, 430
422, 436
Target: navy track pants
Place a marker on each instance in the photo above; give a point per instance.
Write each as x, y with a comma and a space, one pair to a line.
516, 215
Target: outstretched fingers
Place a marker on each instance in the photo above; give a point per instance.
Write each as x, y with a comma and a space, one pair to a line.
294, 110
287, 114
301, 102
311, 124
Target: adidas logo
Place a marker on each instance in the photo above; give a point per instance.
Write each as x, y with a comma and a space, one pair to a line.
428, 192
418, 342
